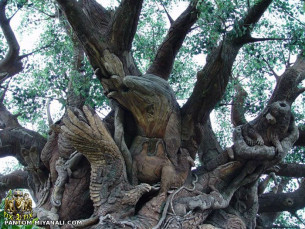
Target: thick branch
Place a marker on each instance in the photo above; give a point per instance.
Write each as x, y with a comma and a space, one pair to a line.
7, 119
212, 80
124, 24
266, 219
287, 85
16, 179
291, 202
83, 28
291, 170
164, 60
209, 147
238, 109
11, 64
253, 16
106, 60
301, 140
97, 14
23, 144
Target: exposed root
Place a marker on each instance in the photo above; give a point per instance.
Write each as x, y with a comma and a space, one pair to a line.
170, 202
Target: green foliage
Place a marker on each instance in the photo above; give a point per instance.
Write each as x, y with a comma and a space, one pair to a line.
9, 164
48, 72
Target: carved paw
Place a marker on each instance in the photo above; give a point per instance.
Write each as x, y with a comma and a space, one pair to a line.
250, 142
279, 153
260, 141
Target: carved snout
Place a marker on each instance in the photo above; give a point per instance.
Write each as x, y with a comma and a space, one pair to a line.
271, 119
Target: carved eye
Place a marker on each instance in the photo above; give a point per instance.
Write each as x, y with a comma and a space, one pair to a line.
283, 104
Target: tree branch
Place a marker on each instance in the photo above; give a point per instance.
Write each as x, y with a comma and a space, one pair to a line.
83, 28
266, 219
212, 80
271, 69
37, 50
254, 39
252, 17
7, 119
301, 140
291, 202
124, 24
291, 170
16, 179
238, 109
287, 85
171, 21
11, 63
87, 16
164, 59
97, 14
26, 145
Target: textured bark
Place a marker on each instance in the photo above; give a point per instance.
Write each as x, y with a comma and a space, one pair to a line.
100, 47
287, 87
301, 140
291, 170
11, 64
16, 179
135, 165
291, 202
238, 109
164, 60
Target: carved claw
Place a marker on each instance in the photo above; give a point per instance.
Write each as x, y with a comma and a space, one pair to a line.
250, 142
108, 216
260, 141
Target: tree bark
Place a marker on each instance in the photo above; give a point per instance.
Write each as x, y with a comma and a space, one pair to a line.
108, 171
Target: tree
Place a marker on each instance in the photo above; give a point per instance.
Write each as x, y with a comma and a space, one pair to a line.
107, 171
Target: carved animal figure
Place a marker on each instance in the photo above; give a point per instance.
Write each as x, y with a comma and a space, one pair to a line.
152, 165
107, 170
9, 205
271, 128
27, 202
19, 203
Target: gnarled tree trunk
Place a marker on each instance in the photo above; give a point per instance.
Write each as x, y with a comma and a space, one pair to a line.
133, 169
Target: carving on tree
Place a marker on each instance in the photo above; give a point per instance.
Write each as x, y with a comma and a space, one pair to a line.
108, 183
162, 139
158, 142
265, 136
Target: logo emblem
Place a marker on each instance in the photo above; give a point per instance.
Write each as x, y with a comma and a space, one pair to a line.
18, 206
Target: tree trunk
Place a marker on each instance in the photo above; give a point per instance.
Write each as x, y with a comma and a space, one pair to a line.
133, 169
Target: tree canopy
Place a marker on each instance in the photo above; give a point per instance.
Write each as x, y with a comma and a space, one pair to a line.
227, 63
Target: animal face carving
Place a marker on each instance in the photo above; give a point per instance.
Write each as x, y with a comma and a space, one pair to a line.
269, 129
149, 98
